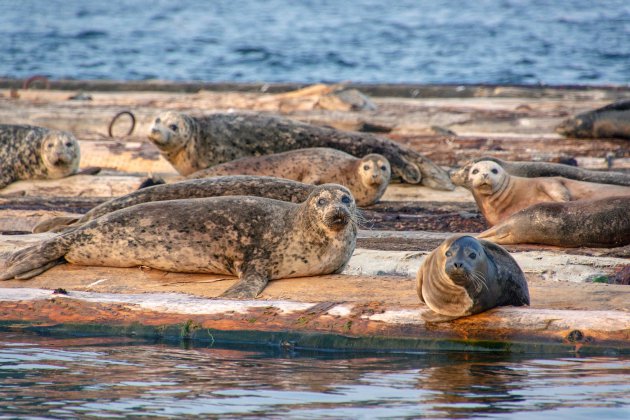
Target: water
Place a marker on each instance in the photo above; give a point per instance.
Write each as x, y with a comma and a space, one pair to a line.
101, 377
416, 41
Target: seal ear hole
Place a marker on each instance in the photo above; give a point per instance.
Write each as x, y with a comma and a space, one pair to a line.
475, 171
345, 199
321, 201
173, 127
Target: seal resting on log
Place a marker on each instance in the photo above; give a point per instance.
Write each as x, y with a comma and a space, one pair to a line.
610, 121
257, 239
30, 152
466, 276
366, 178
259, 186
194, 143
603, 223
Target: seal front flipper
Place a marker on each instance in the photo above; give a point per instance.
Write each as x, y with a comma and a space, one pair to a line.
34, 260
249, 286
434, 318
55, 224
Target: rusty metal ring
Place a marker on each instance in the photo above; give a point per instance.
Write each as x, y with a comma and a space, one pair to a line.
32, 79
133, 122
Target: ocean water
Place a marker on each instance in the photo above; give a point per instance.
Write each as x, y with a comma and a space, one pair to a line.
415, 41
43, 377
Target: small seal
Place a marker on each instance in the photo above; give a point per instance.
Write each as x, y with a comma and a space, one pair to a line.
466, 276
366, 178
257, 239
194, 143
29, 152
259, 186
610, 121
499, 195
543, 169
601, 223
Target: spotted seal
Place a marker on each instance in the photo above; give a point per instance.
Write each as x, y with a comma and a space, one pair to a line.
499, 194
465, 276
610, 121
260, 186
257, 239
366, 178
193, 143
596, 223
539, 169
30, 152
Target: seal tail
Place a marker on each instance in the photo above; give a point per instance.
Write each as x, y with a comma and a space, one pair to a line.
34, 260
499, 234
55, 224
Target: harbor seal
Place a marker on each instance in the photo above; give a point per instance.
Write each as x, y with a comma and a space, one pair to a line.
30, 152
366, 178
257, 239
194, 143
465, 276
499, 194
543, 169
260, 186
601, 223
610, 121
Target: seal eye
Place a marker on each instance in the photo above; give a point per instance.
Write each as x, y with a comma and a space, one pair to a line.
321, 202
472, 255
69, 144
475, 171
173, 127
383, 168
366, 167
345, 199
158, 120
448, 253
494, 171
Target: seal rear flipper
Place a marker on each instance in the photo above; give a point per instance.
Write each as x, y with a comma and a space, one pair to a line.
248, 287
434, 318
34, 260
55, 224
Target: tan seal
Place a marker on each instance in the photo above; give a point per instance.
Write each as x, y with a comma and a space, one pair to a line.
465, 276
610, 121
366, 178
525, 169
257, 239
29, 152
595, 223
193, 143
259, 186
499, 195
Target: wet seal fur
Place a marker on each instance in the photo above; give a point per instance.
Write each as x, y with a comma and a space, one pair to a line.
610, 121
594, 223
499, 194
366, 178
466, 276
257, 239
259, 186
30, 152
194, 143
543, 169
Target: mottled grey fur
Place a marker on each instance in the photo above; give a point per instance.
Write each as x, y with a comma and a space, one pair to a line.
29, 152
610, 121
194, 143
257, 239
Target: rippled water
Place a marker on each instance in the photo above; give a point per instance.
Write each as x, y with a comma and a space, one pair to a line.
85, 377
423, 41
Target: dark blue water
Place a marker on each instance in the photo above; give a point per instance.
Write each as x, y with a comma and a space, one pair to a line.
419, 41
99, 377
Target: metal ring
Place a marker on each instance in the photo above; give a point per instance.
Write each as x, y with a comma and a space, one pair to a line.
32, 79
133, 122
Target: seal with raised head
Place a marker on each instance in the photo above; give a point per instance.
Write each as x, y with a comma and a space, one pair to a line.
499, 194
595, 223
259, 186
366, 178
30, 152
466, 276
610, 121
524, 169
194, 143
257, 239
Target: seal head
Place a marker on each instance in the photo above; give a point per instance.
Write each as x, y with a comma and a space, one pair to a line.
487, 177
374, 171
171, 132
60, 153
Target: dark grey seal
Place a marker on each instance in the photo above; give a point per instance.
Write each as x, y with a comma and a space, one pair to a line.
610, 121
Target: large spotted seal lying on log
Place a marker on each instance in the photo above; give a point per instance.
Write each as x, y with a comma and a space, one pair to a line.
610, 121
29, 152
465, 276
254, 238
194, 143
594, 223
260, 186
538, 169
366, 178
499, 194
